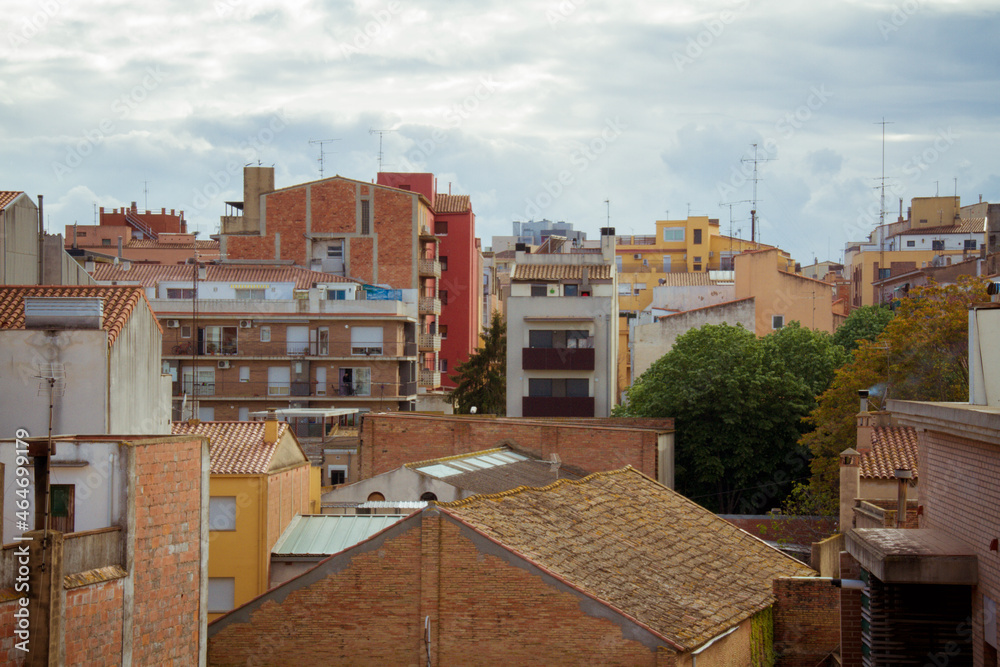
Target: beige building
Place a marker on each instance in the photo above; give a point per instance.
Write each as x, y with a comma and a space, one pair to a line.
562, 332
781, 296
28, 256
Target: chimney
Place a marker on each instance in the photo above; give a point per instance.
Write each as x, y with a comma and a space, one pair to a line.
608, 244
271, 428
865, 423
74, 236
119, 248
850, 486
134, 209
903, 476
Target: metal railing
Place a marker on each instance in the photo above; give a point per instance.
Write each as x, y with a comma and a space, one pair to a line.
180, 347
234, 389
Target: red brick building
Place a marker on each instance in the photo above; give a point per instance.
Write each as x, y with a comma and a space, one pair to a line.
134, 591
611, 569
461, 289
389, 441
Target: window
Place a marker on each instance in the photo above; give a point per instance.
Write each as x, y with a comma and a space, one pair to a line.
244, 373
296, 340
335, 250
539, 290
911, 244
571, 290
250, 293
355, 382
375, 497
577, 387
884, 273
321, 380
443, 365
638, 287
937, 244
428, 496
221, 594
337, 474
440, 227
539, 387
105, 241
336, 295
697, 237
366, 340
180, 292
222, 513
666, 263
696, 267
559, 387
673, 234
265, 334
560, 338
220, 340
366, 216
624, 289
62, 498
204, 383
323, 341
186, 331
443, 330
777, 321
618, 263
443, 295
697, 259
444, 262
970, 244
244, 414
206, 413
279, 380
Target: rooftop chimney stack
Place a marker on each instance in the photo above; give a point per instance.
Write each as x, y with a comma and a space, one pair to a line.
271, 428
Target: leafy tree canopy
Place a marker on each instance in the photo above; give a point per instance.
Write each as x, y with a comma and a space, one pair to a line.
921, 355
482, 380
737, 403
865, 323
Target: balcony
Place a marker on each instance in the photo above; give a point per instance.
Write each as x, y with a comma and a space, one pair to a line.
430, 378
183, 348
429, 267
430, 342
557, 406
428, 305
234, 390
557, 359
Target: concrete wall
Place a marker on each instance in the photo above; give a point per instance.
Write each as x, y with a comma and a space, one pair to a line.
652, 341
399, 484
19, 242
137, 401
688, 297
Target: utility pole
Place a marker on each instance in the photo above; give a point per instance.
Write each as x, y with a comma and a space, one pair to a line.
322, 143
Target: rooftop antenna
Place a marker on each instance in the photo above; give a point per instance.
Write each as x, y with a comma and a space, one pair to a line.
322, 143
754, 232
730, 204
608, 203
380, 154
881, 216
145, 195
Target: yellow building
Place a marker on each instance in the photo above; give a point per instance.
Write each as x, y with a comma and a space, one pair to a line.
781, 297
259, 480
933, 233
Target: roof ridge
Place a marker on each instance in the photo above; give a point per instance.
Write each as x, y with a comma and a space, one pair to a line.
548, 487
454, 457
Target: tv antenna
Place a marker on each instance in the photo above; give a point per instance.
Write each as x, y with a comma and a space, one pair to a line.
881, 216
608, 203
322, 143
730, 204
380, 133
754, 232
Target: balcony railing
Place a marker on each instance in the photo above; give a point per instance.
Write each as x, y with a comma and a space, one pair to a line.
636, 240
178, 347
429, 342
429, 267
557, 406
429, 306
430, 378
234, 389
557, 359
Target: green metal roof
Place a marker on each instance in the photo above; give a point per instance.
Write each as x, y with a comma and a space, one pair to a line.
324, 535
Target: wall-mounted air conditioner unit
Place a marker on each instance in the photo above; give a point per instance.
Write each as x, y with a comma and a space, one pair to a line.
173, 324
636, 256
246, 324
224, 364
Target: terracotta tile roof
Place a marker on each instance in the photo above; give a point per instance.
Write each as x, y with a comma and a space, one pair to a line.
234, 448
964, 226
8, 196
892, 447
451, 203
639, 547
148, 275
550, 272
674, 279
119, 303
206, 244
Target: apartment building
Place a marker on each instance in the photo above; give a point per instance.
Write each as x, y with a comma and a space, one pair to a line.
374, 233
29, 256
562, 331
262, 337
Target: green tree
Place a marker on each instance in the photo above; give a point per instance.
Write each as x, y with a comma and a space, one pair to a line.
482, 380
921, 355
865, 323
812, 356
737, 408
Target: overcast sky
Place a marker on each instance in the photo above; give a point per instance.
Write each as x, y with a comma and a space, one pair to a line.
535, 109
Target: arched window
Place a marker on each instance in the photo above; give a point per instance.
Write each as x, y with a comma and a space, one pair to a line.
374, 497
428, 496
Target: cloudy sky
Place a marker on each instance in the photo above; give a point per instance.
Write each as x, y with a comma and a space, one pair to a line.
535, 109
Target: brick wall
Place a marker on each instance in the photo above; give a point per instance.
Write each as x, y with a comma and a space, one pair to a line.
850, 614
806, 621
167, 574
368, 606
287, 495
959, 491
8, 654
390, 440
93, 623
